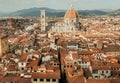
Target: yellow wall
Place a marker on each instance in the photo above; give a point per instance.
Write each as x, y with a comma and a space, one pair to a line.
3, 46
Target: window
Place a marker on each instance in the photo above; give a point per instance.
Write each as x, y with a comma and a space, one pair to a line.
26, 51
67, 66
41, 71
95, 71
75, 62
41, 79
35, 79
54, 80
102, 71
64, 66
22, 64
106, 71
111, 74
96, 76
22, 68
79, 62
48, 80
42, 16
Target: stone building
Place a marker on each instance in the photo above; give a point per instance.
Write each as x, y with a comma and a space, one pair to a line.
3, 44
70, 22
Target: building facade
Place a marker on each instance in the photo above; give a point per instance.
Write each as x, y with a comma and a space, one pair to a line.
70, 23
3, 44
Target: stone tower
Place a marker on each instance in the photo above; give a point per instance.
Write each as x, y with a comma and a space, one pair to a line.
43, 20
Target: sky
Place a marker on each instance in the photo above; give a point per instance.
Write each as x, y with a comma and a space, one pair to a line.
14, 5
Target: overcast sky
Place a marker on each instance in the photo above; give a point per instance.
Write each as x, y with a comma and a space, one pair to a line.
13, 5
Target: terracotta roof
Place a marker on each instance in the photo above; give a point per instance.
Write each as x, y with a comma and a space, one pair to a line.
8, 56
9, 78
2, 35
24, 57
2, 27
75, 75
46, 49
87, 73
85, 59
98, 81
71, 14
11, 20
79, 79
101, 67
116, 80
24, 80
54, 75
76, 79
32, 63
12, 67
85, 52
65, 54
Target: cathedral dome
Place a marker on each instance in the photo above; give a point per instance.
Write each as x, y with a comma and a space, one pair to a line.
71, 14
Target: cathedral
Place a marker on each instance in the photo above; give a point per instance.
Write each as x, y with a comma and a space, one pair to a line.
70, 23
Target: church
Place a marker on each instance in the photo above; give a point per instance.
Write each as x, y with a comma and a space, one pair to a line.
70, 23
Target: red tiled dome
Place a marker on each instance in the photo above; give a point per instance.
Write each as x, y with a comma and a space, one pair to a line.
71, 14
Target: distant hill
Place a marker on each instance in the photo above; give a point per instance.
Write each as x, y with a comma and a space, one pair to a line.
36, 12
2, 14
54, 12
92, 12
114, 13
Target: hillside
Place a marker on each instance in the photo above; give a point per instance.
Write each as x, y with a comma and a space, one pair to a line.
53, 12
115, 13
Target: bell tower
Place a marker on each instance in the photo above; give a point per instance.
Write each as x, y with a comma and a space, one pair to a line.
43, 17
